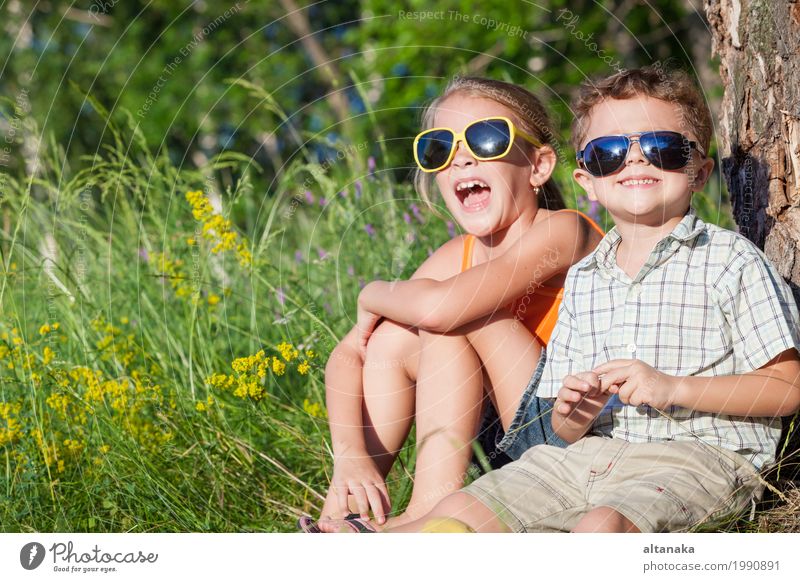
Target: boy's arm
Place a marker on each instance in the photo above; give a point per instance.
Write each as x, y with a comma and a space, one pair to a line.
772, 390
442, 305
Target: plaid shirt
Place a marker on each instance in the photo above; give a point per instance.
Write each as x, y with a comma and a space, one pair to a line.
706, 303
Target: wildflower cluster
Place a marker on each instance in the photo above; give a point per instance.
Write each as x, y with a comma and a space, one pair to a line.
174, 271
55, 427
250, 373
217, 230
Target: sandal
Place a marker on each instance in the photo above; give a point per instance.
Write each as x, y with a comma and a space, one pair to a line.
353, 521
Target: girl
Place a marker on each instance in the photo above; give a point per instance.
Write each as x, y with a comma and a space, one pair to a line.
470, 323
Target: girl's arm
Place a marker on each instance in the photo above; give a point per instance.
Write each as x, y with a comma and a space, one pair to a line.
548, 248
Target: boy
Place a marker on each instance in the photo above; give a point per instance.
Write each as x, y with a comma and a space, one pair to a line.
675, 351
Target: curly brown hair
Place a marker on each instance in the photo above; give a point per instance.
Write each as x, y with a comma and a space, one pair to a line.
673, 86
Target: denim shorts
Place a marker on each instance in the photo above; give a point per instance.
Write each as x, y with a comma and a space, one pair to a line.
531, 425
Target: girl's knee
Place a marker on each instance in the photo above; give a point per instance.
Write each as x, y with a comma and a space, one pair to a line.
391, 342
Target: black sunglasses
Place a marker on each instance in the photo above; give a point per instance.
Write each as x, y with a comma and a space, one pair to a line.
668, 150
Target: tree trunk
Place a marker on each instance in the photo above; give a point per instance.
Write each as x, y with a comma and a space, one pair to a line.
758, 42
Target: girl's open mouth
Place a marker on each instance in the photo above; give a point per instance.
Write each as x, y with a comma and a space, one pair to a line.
473, 194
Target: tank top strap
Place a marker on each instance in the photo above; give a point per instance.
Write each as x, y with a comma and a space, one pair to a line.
588, 219
466, 256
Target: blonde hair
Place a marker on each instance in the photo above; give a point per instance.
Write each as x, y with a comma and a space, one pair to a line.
528, 113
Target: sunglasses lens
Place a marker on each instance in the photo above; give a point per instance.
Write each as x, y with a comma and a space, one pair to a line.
605, 155
433, 149
666, 149
489, 138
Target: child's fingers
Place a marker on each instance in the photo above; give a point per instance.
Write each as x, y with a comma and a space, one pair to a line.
567, 400
616, 377
582, 383
362, 503
376, 503
341, 497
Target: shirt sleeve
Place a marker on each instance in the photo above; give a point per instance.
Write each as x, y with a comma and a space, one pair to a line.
564, 355
761, 313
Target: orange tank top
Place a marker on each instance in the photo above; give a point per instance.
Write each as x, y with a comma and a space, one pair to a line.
538, 310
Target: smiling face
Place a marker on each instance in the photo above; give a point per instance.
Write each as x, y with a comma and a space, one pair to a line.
641, 193
486, 197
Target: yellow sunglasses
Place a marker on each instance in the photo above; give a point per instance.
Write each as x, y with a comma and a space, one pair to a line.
486, 139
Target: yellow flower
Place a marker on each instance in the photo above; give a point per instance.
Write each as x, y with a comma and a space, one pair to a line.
47, 355
303, 368
124, 320
200, 406
316, 410
44, 330
278, 367
213, 299
287, 351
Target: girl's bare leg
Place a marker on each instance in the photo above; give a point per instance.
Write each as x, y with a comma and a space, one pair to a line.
462, 507
389, 378
452, 382
449, 401
509, 353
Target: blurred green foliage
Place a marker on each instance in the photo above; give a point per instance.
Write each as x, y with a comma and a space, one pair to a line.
173, 65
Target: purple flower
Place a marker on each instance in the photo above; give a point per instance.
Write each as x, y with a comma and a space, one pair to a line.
361, 283
144, 255
327, 307
370, 229
406, 218
322, 201
309, 197
451, 228
281, 295
343, 194
323, 254
351, 271
298, 256
371, 165
416, 212
358, 189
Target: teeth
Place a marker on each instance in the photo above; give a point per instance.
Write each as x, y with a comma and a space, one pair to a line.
471, 184
639, 182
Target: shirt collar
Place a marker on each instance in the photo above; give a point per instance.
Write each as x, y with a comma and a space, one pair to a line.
605, 253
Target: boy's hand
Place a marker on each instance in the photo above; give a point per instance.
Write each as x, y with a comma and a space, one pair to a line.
637, 383
576, 389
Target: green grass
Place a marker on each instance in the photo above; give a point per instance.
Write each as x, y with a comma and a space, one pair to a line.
81, 247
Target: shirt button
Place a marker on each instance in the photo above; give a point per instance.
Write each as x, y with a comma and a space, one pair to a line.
631, 348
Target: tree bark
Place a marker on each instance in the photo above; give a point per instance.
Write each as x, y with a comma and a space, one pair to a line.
758, 42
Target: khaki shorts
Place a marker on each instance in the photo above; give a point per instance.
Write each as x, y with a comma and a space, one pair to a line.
659, 486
